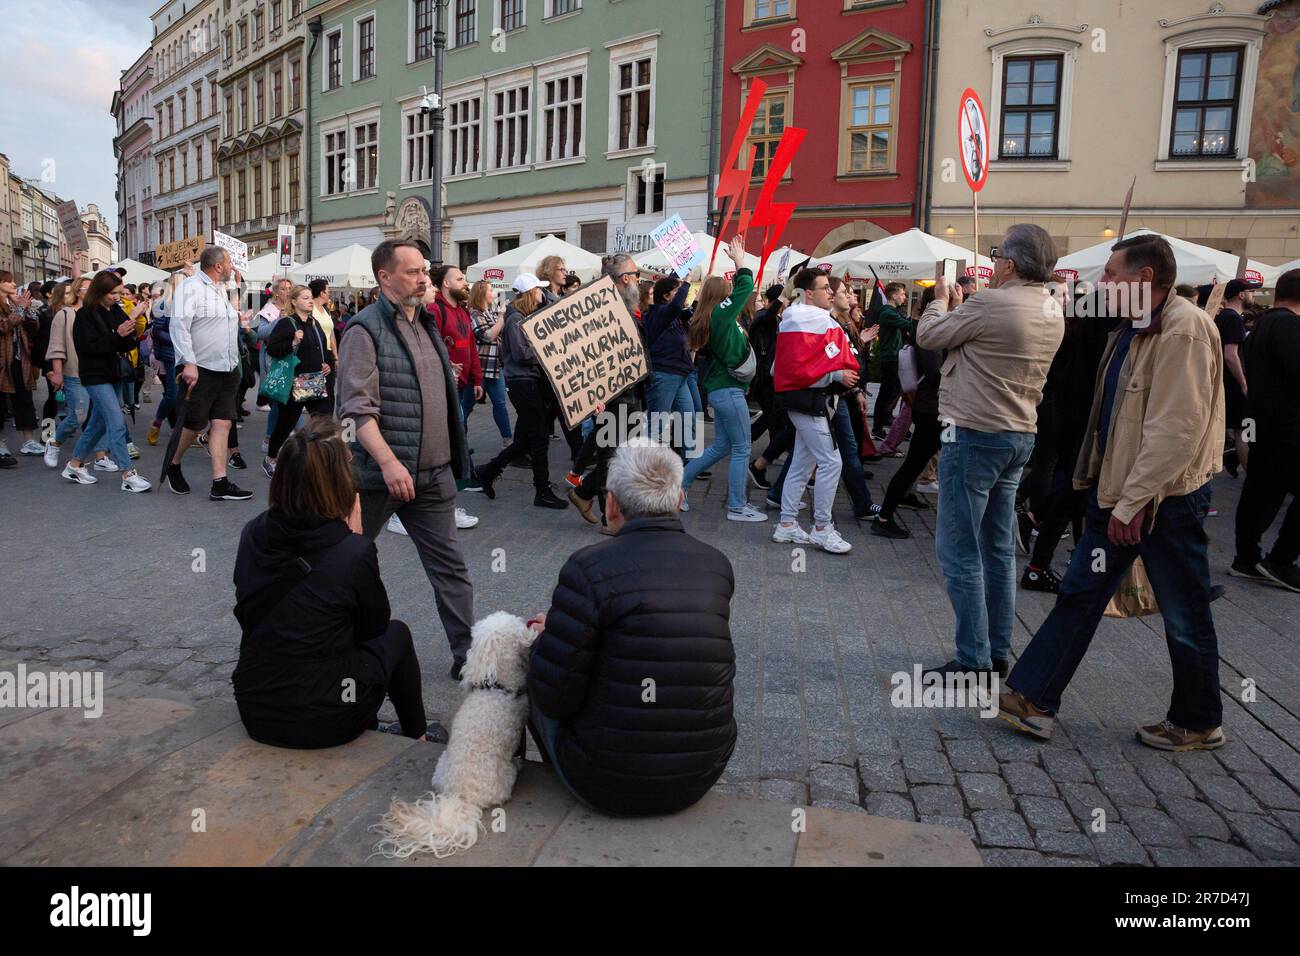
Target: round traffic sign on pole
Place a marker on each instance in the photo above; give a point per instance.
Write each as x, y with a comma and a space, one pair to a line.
973, 139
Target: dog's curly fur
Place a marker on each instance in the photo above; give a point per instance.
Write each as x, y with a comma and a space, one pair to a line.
477, 770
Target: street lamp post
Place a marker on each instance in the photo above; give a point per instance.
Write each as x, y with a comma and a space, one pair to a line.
44, 248
435, 210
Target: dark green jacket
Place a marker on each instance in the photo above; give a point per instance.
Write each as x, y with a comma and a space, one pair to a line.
892, 326
727, 341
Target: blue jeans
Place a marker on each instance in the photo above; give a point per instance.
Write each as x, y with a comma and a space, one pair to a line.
978, 476
164, 411
78, 402
1175, 553
693, 385
126, 398
668, 392
731, 436
495, 388
106, 420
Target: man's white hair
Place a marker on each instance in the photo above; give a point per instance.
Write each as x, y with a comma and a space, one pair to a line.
645, 477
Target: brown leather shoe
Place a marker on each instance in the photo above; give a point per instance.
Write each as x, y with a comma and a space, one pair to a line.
1019, 711
1166, 736
585, 507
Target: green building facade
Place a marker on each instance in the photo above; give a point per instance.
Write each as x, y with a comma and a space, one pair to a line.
588, 119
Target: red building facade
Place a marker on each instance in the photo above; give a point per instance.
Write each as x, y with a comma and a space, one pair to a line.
852, 73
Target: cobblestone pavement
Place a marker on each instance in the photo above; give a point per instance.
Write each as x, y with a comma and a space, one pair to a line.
140, 586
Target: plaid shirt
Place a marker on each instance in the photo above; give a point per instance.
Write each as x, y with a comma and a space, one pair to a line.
489, 353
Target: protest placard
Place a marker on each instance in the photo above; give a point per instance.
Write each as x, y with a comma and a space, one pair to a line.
179, 253
73, 229
590, 348
237, 248
284, 241
678, 246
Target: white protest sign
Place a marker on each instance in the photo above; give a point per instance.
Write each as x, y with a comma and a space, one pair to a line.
678, 246
237, 248
284, 243
590, 348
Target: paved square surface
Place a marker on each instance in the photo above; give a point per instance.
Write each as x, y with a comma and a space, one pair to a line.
140, 587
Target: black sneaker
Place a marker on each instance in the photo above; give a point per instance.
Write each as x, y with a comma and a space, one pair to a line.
1001, 668
1251, 572
202, 441
889, 528
223, 489
705, 474
915, 502
872, 511
952, 667
760, 476
486, 478
1045, 580
176, 481
7, 460
1283, 575
268, 467
237, 461
546, 498
456, 667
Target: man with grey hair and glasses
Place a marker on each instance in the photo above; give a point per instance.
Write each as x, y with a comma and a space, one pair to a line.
630, 680
1000, 342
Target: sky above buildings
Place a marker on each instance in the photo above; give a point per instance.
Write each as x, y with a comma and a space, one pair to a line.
63, 62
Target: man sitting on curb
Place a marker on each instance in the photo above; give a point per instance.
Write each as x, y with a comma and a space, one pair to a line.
630, 680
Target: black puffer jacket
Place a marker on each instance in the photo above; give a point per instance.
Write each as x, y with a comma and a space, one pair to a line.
651, 603
99, 347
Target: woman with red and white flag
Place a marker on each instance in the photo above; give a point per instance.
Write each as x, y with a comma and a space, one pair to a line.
814, 363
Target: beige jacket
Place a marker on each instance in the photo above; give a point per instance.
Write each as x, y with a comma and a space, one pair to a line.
1166, 427
1000, 345
61, 346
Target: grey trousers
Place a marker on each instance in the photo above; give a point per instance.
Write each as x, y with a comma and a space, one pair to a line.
430, 520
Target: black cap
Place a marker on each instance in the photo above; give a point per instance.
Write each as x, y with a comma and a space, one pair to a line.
1237, 286
774, 292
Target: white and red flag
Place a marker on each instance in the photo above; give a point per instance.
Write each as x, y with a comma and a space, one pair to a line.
810, 348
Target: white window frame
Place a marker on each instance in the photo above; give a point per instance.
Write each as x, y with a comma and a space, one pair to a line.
630, 212
503, 83
325, 61
331, 127
1068, 51
621, 52
360, 118
356, 45
410, 31
1252, 40
568, 67
347, 123
451, 25
497, 10
407, 141
548, 11
465, 100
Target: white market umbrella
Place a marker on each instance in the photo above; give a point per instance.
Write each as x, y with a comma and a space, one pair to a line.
653, 260
906, 257
502, 269
346, 268
1197, 264
137, 272
266, 267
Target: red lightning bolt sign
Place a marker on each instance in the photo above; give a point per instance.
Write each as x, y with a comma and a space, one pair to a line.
732, 180
769, 215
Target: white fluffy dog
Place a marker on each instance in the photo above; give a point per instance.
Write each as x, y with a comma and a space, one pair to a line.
477, 770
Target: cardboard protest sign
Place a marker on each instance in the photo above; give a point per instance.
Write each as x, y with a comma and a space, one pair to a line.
73, 229
179, 253
590, 348
237, 248
678, 246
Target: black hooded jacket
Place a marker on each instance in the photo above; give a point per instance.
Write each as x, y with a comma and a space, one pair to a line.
310, 602
650, 604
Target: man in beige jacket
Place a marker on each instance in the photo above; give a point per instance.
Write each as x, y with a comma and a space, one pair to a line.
1000, 344
1154, 441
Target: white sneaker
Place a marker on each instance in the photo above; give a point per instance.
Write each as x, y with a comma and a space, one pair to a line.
51, 455
792, 534
463, 519
134, 453
686, 505
747, 513
135, 482
79, 475
828, 539
928, 487
32, 448
106, 464
395, 525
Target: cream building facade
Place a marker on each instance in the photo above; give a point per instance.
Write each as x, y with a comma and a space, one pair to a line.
1193, 99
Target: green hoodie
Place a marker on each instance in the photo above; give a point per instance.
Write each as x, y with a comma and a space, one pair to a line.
892, 326
727, 340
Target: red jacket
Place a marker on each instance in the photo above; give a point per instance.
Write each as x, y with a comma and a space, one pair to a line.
457, 331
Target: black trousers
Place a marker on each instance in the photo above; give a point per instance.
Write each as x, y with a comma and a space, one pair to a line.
926, 432
532, 434
19, 403
395, 673
1274, 473
887, 397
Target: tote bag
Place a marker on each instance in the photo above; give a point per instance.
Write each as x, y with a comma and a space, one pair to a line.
277, 385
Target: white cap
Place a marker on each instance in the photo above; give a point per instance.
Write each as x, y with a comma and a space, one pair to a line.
527, 282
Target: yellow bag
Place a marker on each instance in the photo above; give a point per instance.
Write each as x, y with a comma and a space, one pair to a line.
1134, 598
